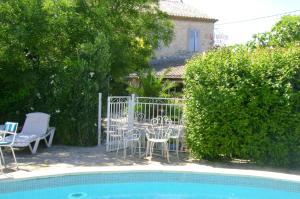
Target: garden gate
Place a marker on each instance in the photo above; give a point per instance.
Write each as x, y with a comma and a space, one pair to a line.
126, 109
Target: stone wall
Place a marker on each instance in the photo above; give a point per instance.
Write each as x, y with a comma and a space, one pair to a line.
179, 46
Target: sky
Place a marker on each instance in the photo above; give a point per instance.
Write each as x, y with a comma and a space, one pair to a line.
235, 10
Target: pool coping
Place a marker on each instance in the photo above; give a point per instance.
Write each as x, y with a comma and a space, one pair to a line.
199, 169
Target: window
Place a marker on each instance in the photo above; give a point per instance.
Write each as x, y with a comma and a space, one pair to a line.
194, 40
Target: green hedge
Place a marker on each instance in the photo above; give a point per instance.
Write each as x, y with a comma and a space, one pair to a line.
244, 103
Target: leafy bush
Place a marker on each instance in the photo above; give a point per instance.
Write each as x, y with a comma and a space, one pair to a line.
244, 103
149, 84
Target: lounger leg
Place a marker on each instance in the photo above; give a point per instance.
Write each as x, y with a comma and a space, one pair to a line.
49, 142
12, 150
34, 149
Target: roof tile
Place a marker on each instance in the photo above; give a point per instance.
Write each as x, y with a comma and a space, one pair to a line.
179, 9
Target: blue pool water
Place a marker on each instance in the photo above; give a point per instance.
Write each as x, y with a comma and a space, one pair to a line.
150, 185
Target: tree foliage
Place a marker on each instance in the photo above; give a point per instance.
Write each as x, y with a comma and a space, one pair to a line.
149, 84
284, 33
134, 28
55, 56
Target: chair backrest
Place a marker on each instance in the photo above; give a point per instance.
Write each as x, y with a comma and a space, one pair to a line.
36, 124
161, 121
139, 117
10, 129
160, 128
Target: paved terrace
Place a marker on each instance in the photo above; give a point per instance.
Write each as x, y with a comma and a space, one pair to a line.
66, 159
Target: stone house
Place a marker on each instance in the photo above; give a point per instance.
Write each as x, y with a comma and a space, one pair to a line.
193, 33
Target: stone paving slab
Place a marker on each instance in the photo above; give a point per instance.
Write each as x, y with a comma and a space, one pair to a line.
67, 159
84, 157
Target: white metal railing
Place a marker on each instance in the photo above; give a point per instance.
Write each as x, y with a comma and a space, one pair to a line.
124, 109
153, 107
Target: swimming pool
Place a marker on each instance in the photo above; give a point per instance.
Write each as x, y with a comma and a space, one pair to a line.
149, 185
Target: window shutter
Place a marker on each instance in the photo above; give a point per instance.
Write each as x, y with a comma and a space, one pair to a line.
197, 41
191, 41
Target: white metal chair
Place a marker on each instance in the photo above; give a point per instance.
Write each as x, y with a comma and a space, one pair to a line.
139, 124
159, 132
36, 128
125, 135
176, 134
139, 117
10, 129
132, 138
117, 134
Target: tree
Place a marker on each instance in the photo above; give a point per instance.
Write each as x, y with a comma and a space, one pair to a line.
134, 29
285, 32
55, 56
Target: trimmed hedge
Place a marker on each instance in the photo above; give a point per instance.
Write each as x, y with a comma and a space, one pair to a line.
244, 103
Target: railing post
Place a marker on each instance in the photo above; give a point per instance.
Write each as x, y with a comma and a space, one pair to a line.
131, 111
107, 124
99, 118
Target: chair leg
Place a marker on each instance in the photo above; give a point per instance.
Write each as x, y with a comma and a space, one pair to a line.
147, 148
139, 143
177, 148
151, 149
2, 158
118, 147
167, 150
132, 147
125, 149
12, 150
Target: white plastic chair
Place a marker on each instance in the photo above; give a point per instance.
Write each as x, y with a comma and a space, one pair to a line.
10, 129
159, 132
36, 128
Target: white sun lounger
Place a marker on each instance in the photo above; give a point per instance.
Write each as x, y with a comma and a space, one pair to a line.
36, 128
